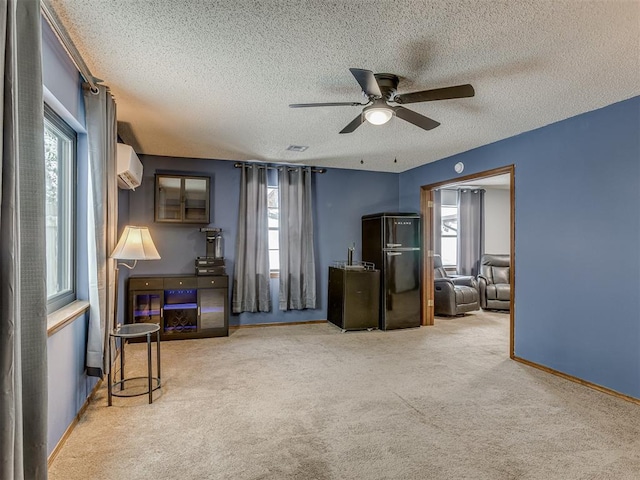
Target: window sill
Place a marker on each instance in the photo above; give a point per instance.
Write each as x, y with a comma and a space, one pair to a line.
64, 316
274, 275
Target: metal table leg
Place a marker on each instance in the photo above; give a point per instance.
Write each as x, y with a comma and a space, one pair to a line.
122, 342
158, 358
109, 375
149, 369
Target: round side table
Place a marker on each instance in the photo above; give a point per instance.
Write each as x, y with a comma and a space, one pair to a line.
124, 333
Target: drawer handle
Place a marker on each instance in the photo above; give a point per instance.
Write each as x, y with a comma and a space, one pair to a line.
146, 283
180, 283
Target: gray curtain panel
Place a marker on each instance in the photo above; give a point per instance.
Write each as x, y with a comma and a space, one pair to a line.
23, 320
100, 111
251, 291
437, 222
470, 231
297, 264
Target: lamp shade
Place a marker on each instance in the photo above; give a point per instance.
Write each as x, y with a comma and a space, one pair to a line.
135, 244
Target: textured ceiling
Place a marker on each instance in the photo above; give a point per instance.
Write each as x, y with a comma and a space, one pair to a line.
213, 79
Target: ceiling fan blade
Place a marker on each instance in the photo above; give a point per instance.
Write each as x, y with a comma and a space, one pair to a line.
447, 93
355, 123
331, 104
367, 81
412, 117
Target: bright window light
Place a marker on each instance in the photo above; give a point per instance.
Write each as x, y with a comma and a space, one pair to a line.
60, 150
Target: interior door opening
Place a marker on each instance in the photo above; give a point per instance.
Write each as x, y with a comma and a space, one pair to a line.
482, 179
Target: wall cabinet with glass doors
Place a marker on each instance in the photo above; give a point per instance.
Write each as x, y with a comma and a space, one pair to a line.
183, 306
181, 199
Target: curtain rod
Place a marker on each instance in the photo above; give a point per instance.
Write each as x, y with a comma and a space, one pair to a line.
268, 167
52, 19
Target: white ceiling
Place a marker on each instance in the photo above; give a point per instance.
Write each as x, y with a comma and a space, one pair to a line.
213, 79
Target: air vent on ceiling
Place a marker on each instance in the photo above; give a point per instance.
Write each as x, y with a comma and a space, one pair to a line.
297, 148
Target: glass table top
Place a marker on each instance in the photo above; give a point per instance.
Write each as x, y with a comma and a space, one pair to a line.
135, 329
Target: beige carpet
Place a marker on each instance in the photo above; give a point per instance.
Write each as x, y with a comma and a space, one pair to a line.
309, 402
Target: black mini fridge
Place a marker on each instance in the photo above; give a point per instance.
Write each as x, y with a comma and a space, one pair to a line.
392, 242
354, 298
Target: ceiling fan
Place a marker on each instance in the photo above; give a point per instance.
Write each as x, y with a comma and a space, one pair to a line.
381, 89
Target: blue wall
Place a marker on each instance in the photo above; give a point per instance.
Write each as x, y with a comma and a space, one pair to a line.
577, 246
69, 386
341, 198
62, 84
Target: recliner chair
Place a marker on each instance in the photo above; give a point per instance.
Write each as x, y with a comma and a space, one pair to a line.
495, 288
453, 295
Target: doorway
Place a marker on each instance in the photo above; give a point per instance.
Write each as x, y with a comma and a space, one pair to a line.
427, 212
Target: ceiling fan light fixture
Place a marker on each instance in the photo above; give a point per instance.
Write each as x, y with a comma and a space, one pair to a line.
378, 115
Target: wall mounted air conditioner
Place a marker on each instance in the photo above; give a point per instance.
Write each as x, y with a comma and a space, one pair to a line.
128, 168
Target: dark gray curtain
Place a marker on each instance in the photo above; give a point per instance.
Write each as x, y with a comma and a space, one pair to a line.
437, 222
23, 321
251, 274
470, 231
297, 263
100, 110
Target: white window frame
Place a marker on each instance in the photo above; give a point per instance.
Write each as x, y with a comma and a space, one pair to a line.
444, 235
272, 246
65, 265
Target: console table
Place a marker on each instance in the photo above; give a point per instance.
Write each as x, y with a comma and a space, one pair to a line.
185, 306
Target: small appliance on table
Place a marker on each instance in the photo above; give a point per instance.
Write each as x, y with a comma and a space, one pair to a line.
213, 262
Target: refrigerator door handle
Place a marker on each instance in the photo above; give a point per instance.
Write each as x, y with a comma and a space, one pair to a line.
393, 245
393, 254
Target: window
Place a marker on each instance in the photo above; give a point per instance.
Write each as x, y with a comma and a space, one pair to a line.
274, 233
449, 228
60, 158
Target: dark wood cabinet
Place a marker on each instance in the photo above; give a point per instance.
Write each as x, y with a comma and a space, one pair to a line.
212, 304
353, 298
183, 306
182, 199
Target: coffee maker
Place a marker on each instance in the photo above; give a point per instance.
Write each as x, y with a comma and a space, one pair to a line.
213, 262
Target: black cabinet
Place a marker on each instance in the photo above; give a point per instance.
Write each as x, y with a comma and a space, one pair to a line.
180, 310
354, 300
213, 317
182, 199
183, 306
146, 305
